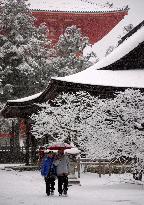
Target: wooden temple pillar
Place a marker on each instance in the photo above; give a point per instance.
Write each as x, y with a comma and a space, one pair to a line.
14, 138
33, 149
12, 143
27, 143
30, 144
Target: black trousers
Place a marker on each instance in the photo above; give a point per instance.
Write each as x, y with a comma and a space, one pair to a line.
50, 184
62, 184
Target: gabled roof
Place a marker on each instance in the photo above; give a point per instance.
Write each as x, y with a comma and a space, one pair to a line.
119, 78
70, 6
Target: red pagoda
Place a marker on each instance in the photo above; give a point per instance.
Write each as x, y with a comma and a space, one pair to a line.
94, 20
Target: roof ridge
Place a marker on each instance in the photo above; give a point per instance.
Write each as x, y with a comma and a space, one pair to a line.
74, 6
50, 10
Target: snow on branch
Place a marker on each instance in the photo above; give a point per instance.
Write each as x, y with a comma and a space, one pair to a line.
102, 128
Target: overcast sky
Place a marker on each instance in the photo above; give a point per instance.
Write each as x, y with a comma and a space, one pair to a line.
136, 11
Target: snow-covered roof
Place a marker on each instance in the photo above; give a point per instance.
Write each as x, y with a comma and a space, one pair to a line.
25, 99
121, 78
70, 6
113, 37
96, 75
123, 49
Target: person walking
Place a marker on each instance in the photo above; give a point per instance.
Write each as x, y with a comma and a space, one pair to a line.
62, 170
48, 170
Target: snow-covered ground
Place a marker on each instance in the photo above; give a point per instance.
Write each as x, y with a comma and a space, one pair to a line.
28, 188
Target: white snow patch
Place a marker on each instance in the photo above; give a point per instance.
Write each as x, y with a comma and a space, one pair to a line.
31, 97
122, 78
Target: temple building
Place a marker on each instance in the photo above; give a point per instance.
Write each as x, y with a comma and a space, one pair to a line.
121, 69
94, 20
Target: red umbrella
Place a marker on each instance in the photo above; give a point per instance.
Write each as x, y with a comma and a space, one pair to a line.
59, 146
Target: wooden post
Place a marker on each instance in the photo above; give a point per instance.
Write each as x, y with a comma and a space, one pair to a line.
17, 144
110, 169
122, 169
33, 151
27, 155
78, 167
104, 168
12, 142
100, 168
85, 167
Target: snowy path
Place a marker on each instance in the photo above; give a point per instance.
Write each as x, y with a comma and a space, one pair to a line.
28, 188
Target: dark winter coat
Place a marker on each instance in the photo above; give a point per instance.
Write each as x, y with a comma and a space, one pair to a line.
48, 168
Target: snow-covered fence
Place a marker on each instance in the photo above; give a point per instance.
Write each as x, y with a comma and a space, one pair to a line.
10, 154
101, 166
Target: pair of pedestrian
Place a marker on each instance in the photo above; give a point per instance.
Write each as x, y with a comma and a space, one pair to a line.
56, 165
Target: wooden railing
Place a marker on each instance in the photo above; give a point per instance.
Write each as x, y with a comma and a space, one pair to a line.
10, 154
102, 166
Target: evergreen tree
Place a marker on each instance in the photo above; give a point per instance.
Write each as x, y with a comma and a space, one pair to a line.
69, 52
25, 51
27, 60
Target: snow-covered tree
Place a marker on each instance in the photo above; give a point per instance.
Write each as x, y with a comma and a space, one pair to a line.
103, 128
1, 105
69, 49
90, 55
61, 117
109, 128
112, 129
26, 58
72, 41
25, 52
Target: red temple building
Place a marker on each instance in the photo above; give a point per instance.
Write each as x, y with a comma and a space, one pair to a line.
121, 69
94, 20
